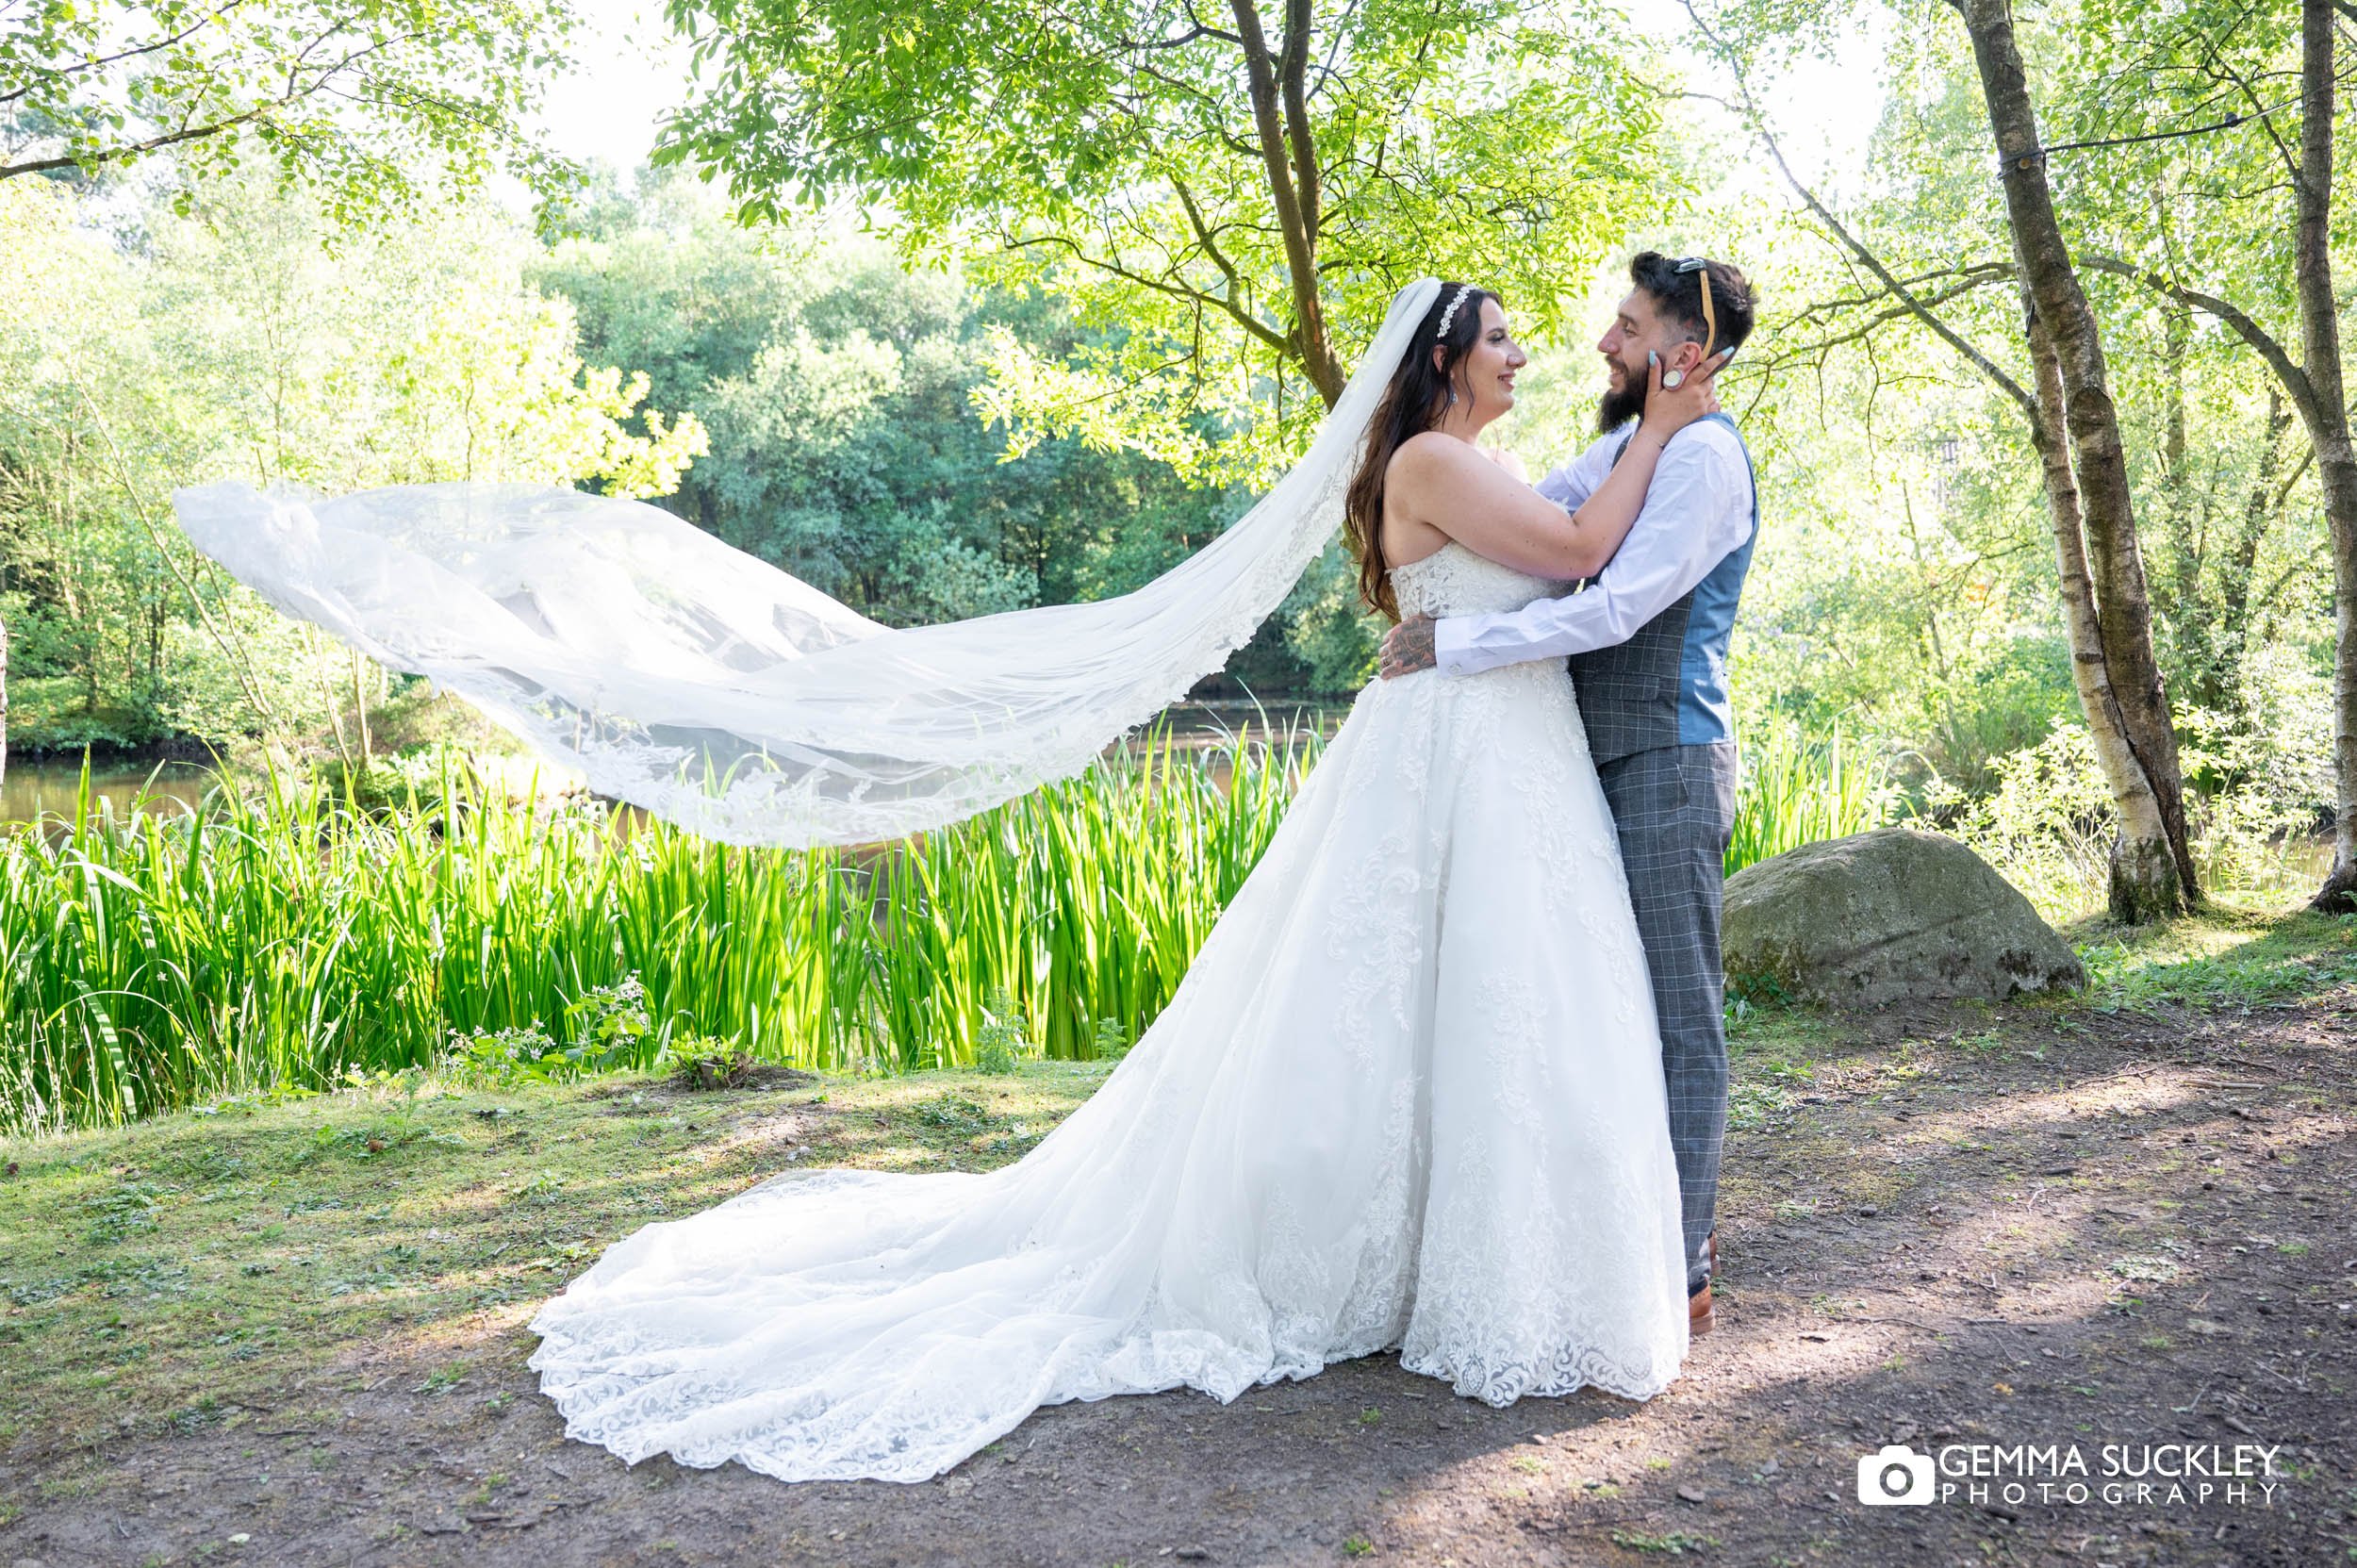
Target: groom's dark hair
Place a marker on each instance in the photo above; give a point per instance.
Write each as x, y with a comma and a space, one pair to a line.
1678, 297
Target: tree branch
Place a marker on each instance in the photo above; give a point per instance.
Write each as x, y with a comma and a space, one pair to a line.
1866, 258
1232, 305
38, 166
99, 62
1161, 286
2295, 379
297, 88
1995, 273
1290, 68
1316, 355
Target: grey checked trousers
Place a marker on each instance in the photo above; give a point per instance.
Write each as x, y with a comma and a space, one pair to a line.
1673, 807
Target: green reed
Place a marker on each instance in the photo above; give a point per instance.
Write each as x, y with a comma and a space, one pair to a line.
281, 935
1797, 791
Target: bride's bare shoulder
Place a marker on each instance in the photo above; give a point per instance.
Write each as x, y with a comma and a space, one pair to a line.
1414, 485
1426, 448
1426, 459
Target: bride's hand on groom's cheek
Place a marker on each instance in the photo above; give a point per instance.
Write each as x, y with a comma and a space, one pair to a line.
1408, 648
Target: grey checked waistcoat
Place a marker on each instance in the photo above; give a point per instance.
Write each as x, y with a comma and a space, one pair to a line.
1667, 684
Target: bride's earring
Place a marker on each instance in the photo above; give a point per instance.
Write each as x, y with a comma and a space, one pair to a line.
1452, 397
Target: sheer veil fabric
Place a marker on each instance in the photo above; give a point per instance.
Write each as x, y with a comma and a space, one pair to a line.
718, 691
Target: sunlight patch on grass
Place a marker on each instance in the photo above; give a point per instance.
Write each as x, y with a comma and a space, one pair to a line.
2223, 959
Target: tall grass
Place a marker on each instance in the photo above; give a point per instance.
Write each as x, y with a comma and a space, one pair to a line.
281, 935
1797, 791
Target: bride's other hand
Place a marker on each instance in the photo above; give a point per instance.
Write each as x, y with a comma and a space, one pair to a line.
1669, 410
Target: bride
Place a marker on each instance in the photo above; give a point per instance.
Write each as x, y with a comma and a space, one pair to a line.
1409, 1095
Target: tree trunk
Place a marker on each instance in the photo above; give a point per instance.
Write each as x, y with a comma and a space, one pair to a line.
2140, 858
2203, 662
1274, 86
2153, 875
2337, 464
2177, 509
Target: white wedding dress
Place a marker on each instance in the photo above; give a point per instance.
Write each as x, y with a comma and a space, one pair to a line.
1409, 1095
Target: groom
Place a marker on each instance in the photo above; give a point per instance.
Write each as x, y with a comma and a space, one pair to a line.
1648, 644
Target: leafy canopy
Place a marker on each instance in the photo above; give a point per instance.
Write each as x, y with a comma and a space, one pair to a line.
1230, 198
363, 99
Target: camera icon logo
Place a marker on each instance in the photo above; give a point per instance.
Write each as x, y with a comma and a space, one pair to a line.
1897, 1474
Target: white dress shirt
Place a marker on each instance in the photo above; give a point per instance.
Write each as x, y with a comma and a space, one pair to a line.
1697, 510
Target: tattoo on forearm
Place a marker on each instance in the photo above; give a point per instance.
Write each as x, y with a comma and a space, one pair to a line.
1408, 647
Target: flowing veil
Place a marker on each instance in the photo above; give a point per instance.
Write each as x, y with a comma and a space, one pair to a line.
727, 695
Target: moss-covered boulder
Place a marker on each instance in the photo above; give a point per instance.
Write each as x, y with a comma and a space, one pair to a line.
1894, 915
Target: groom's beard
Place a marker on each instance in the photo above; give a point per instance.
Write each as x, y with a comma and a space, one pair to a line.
1616, 409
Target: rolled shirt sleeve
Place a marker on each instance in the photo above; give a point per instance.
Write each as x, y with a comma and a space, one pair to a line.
1696, 512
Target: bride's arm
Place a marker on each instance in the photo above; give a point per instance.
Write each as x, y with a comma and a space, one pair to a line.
1461, 492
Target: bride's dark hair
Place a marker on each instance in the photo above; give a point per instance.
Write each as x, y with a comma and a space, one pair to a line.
1414, 403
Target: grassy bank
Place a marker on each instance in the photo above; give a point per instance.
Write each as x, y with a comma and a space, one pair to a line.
181, 1272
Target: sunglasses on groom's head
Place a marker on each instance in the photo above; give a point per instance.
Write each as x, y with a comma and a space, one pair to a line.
1710, 316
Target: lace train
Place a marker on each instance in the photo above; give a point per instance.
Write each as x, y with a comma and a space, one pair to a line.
1409, 1095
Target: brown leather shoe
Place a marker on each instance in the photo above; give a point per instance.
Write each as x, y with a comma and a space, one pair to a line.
1700, 1320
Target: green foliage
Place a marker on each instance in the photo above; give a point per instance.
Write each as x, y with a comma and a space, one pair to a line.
1906, 585
606, 1023
502, 1056
1001, 1044
1797, 791
2047, 825
290, 938
359, 101
1111, 1042
1116, 158
1904, 598
2259, 791
604, 1029
1328, 629
839, 392
229, 341
287, 937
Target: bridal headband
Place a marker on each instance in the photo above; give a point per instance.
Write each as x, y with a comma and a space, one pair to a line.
1450, 314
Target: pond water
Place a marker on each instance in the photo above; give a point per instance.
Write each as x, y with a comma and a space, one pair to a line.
36, 786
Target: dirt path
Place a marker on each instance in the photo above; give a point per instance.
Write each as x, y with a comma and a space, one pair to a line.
2024, 1226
